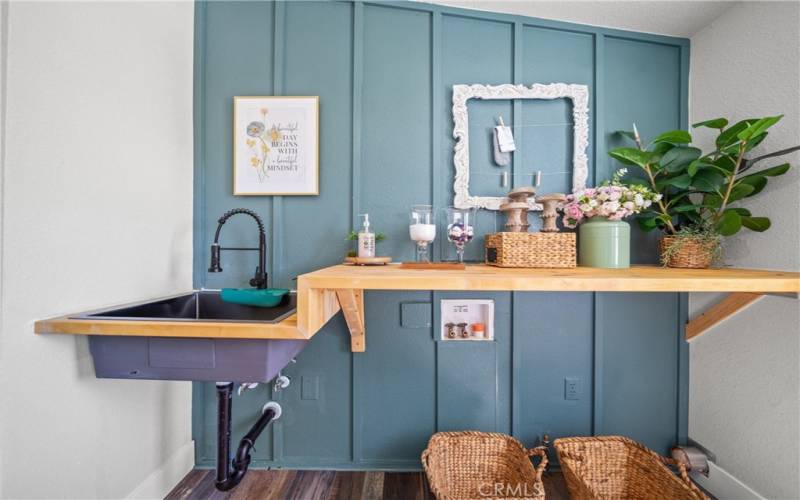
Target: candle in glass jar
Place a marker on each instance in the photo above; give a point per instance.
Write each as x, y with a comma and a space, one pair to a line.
422, 232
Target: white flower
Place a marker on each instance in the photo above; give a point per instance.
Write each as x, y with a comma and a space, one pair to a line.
586, 208
592, 203
611, 206
638, 200
628, 205
647, 203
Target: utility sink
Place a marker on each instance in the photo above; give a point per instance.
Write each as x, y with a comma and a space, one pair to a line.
204, 305
217, 359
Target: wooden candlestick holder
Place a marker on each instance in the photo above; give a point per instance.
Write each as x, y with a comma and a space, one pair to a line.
549, 215
516, 210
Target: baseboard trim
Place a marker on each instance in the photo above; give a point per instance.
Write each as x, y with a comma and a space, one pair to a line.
722, 484
167, 475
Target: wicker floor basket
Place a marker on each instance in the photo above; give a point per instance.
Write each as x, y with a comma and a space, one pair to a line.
480, 465
689, 253
531, 249
606, 467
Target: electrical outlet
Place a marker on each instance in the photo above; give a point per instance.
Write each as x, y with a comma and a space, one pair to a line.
572, 388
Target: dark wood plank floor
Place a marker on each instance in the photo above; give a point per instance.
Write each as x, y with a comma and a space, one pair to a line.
326, 485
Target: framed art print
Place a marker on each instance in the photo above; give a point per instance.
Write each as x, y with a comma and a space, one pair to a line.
276, 145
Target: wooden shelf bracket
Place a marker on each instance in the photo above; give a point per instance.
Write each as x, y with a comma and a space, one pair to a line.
351, 300
722, 310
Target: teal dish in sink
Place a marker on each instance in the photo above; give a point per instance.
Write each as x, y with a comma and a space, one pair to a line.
268, 297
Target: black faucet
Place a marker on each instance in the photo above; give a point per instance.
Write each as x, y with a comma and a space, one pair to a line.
260, 279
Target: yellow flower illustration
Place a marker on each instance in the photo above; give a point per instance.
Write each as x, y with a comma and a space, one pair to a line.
264, 149
251, 143
264, 111
274, 134
254, 162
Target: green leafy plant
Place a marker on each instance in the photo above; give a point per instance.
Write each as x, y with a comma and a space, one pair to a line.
353, 236
699, 190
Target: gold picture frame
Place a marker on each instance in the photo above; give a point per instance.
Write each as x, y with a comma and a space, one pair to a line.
276, 145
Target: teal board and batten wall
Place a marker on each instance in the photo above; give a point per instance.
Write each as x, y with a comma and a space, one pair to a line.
384, 73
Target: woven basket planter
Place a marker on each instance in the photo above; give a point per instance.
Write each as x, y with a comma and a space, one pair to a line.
690, 253
531, 249
605, 467
478, 465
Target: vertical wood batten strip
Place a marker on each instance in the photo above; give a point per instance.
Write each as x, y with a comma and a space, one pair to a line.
199, 224
437, 296
438, 167
357, 82
356, 364
516, 364
436, 109
279, 9
516, 160
599, 152
684, 86
516, 118
276, 245
597, 365
599, 105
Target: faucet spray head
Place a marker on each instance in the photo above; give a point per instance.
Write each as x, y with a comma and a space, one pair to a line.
215, 267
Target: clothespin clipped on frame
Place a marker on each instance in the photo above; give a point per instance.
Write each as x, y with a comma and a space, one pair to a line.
503, 142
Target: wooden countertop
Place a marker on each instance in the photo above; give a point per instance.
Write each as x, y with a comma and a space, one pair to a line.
579, 279
286, 329
323, 293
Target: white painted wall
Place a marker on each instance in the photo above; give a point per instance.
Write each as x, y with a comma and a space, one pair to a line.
96, 210
745, 374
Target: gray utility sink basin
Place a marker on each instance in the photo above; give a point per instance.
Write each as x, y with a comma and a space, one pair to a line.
203, 305
196, 359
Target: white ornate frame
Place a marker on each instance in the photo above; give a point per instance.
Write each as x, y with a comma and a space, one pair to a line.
578, 94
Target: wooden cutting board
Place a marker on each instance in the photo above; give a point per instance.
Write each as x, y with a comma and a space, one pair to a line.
368, 261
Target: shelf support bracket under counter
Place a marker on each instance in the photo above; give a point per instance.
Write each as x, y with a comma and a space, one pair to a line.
724, 309
321, 304
352, 303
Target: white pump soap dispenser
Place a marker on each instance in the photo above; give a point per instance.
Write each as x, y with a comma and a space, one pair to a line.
366, 240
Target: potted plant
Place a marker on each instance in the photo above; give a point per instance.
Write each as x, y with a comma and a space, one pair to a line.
603, 237
699, 192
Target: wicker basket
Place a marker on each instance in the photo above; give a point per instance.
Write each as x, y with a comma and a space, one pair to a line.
617, 467
531, 249
691, 253
480, 465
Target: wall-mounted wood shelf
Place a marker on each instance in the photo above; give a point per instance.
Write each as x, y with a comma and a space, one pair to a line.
320, 292
323, 293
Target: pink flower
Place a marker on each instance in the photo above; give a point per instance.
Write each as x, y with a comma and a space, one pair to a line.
617, 215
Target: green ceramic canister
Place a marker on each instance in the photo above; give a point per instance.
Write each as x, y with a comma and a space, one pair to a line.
604, 243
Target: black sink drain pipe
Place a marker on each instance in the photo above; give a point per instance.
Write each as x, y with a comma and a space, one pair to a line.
230, 472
